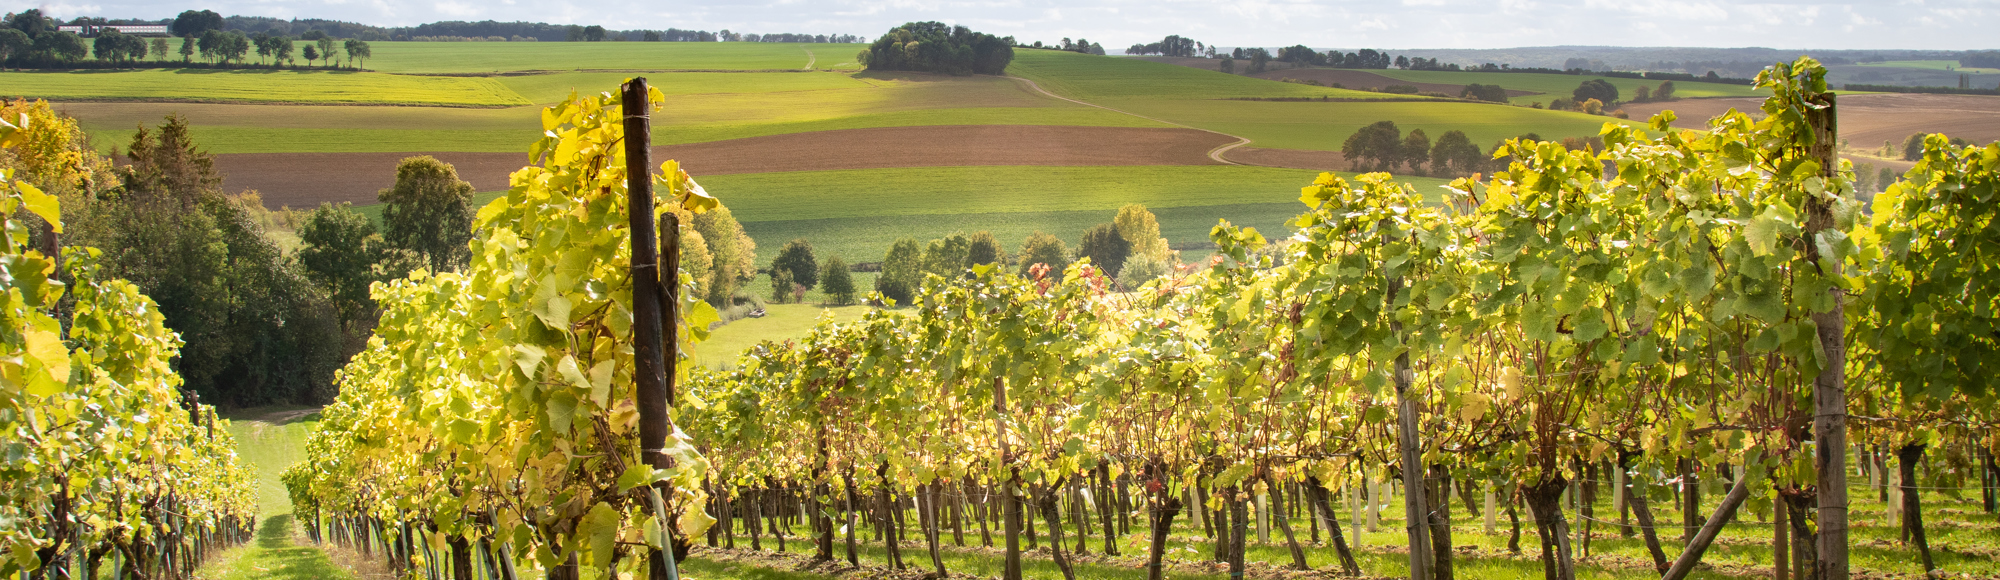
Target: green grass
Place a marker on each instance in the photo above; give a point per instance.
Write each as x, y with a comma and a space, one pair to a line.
259, 87
268, 440
552, 88
273, 555
780, 322
1095, 77
1959, 534
741, 105
1951, 65
1553, 85
847, 213
491, 57
1325, 126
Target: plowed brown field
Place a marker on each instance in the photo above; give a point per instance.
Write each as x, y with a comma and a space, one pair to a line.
302, 180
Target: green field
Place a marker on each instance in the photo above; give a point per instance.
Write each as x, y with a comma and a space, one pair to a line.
847, 213
1090, 78
780, 322
501, 57
1552, 85
230, 86
269, 439
1325, 126
1950, 65
736, 105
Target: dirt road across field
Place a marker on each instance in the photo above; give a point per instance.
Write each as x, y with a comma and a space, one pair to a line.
302, 180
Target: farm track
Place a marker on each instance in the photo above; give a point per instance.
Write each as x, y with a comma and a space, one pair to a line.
303, 180
1215, 154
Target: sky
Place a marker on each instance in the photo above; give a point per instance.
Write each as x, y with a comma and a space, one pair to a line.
1390, 24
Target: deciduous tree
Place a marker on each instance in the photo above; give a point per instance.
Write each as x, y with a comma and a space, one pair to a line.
429, 211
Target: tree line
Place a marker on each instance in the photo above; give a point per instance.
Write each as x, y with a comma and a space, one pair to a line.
31, 40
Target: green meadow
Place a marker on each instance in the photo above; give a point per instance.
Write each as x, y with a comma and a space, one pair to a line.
1325, 126
701, 107
1086, 77
1551, 85
259, 86
1012, 202
505, 57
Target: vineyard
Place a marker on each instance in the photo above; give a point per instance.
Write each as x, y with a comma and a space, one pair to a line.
1680, 306
108, 469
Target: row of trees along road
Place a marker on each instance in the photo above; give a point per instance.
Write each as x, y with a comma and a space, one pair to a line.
30, 39
110, 469
1680, 299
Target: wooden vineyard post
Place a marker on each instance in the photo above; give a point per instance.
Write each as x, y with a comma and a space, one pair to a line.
652, 371
1830, 387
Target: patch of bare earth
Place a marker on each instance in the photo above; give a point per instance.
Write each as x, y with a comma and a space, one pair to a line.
303, 180
1290, 158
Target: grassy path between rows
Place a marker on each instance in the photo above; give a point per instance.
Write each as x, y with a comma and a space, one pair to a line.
276, 554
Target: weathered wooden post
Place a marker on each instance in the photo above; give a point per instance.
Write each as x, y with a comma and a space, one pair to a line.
652, 333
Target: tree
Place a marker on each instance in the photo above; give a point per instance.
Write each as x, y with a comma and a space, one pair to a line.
1665, 92
281, 49
1380, 142
1141, 269
32, 23
14, 42
937, 47
1227, 66
982, 249
1416, 150
341, 251
325, 44
357, 50
1106, 249
169, 169
61, 46
946, 257
1041, 248
836, 283
733, 254
188, 44
1592, 106
210, 42
797, 259
1491, 93
1599, 89
194, 23
1142, 231
593, 33
1642, 94
781, 285
159, 46
429, 212
1454, 154
1913, 147
902, 271
257, 331
1259, 59
311, 53
234, 47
